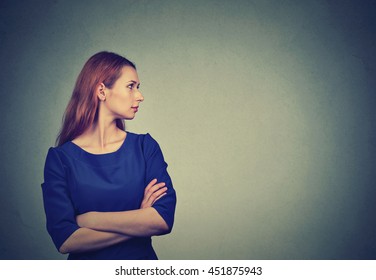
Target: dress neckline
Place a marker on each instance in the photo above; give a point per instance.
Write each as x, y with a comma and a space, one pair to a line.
81, 150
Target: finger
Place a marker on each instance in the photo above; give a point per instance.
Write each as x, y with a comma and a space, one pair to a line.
152, 197
153, 189
152, 182
162, 195
157, 194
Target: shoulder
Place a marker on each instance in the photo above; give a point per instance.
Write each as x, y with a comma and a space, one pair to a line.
57, 155
53, 166
147, 143
145, 139
53, 154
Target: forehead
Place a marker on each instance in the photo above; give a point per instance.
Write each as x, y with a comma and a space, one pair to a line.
128, 73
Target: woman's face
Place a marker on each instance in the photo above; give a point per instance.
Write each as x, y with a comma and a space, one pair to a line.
123, 99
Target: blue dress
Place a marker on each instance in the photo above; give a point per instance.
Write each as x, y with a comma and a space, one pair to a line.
76, 182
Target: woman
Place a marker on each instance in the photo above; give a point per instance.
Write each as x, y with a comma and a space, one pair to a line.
106, 191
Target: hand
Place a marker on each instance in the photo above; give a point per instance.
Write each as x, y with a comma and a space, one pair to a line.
152, 193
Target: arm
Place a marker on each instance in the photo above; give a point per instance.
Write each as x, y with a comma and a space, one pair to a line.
142, 222
84, 240
102, 229
138, 223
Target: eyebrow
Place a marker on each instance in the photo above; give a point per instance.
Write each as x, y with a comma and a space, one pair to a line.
132, 81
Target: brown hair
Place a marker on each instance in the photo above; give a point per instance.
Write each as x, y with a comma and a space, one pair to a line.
82, 110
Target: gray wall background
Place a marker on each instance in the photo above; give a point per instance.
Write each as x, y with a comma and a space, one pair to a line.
265, 111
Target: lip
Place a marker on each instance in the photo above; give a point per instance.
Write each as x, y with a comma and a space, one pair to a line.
135, 108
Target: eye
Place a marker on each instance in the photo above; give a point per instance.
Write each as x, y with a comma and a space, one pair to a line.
130, 86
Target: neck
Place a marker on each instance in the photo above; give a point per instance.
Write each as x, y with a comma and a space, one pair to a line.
104, 131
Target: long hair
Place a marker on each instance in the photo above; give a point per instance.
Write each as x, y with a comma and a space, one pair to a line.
82, 110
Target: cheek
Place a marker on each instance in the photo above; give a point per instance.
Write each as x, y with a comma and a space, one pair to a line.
127, 100
122, 97
122, 101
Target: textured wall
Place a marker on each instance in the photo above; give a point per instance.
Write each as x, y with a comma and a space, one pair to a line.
265, 111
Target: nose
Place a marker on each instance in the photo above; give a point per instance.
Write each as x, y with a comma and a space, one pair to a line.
140, 97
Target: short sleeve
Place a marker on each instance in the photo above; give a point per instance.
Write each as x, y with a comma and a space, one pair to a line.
156, 167
60, 216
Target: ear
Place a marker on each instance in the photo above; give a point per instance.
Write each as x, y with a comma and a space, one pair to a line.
101, 92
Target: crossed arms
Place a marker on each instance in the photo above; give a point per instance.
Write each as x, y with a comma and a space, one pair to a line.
102, 229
